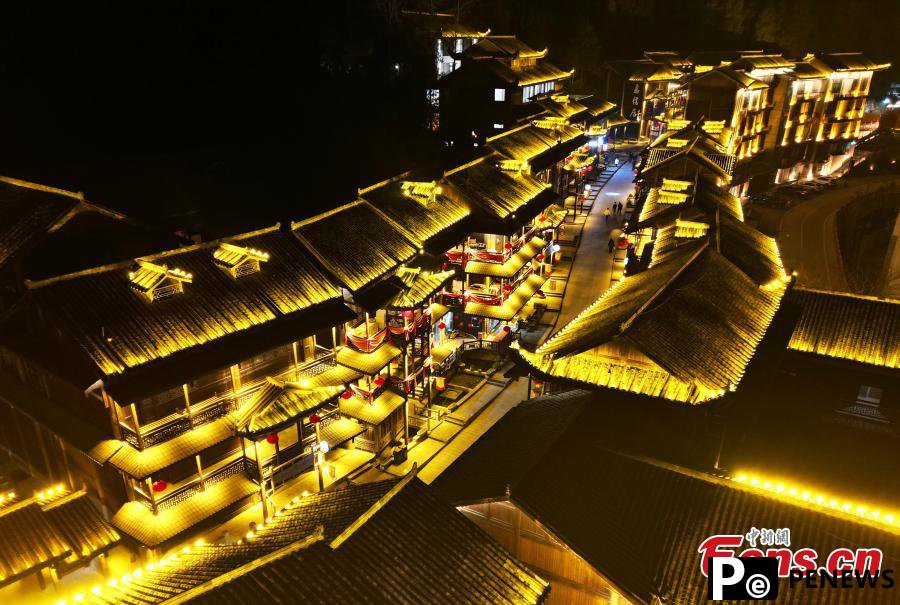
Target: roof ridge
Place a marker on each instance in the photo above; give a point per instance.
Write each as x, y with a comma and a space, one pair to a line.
627, 323
64, 500
377, 506
79, 195
324, 215
387, 181
317, 536
893, 301
38, 283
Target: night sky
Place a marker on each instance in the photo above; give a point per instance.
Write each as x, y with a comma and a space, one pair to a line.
224, 117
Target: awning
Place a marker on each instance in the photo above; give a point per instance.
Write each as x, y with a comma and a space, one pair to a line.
367, 363
341, 431
143, 463
512, 265
277, 404
513, 303
371, 413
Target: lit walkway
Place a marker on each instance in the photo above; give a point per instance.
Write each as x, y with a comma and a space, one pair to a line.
592, 268
590, 275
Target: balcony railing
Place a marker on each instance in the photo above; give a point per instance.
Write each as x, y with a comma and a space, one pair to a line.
227, 468
216, 407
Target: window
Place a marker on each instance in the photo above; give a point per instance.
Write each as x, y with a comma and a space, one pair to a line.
499, 94
528, 92
870, 395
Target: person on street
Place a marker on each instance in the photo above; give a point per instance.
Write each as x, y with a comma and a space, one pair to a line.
606, 215
612, 245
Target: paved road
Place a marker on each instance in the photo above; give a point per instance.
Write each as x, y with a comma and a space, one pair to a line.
592, 267
807, 235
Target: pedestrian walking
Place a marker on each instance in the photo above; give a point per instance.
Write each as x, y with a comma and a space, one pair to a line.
606, 215
612, 245
621, 205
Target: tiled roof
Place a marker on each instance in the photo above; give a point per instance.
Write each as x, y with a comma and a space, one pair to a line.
371, 412
42, 531
663, 205
367, 363
121, 331
502, 46
497, 192
385, 542
420, 288
850, 62
690, 142
278, 403
420, 221
514, 303
355, 243
638, 522
510, 266
528, 142
858, 328
685, 329
28, 211
542, 71
142, 463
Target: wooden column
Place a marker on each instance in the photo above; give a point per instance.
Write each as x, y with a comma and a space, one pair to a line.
40, 438
65, 459
137, 426
200, 473
112, 406
262, 483
187, 405
296, 361
152, 494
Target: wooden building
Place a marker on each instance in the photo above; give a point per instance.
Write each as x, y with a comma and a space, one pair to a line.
603, 514
384, 542
51, 534
783, 118
494, 89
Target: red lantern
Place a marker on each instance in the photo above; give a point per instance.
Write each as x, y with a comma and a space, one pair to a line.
407, 313
542, 218
540, 257
347, 394
508, 246
506, 328
590, 168
160, 486
379, 381
442, 326
439, 383
272, 438
314, 418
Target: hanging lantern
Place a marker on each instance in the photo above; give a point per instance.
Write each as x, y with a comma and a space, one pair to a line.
540, 257
542, 218
314, 418
590, 168
160, 486
508, 246
347, 394
439, 383
442, 326
506, 329
379, 381
407, 313
272, 438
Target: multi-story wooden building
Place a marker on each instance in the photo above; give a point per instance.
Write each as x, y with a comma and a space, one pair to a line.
494, 89
782, 118
181, 385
